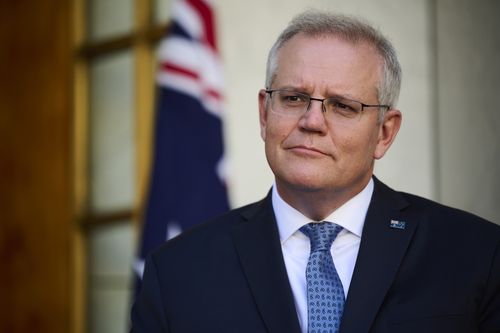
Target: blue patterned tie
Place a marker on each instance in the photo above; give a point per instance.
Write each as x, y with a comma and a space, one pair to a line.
325, 294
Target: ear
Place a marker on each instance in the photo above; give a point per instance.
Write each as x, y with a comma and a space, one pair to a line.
387, 132
262, 113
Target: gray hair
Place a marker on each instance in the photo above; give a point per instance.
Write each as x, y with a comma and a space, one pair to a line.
354, 30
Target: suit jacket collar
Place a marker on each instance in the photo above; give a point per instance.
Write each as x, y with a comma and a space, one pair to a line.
256, 240
380, 254
381, 251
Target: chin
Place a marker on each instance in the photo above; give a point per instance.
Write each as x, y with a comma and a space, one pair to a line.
303, 182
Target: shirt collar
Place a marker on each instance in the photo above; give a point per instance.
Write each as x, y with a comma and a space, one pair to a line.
351, 215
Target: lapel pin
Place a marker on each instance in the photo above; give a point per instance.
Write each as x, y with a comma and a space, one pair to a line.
398, 224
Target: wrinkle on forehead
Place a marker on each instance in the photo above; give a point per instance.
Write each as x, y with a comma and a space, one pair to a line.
329, 66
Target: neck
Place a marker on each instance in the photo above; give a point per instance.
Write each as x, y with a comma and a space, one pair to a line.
317, 204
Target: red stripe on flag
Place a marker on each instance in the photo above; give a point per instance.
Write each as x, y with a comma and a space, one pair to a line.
167, 66
207, 17
215, 94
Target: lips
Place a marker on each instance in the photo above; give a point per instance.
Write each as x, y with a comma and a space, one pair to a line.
301, 149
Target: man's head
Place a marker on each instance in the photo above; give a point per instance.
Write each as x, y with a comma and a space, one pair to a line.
319, 114
349, 29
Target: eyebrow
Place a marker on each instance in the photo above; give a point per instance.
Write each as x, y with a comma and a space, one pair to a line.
302, 90
299, 89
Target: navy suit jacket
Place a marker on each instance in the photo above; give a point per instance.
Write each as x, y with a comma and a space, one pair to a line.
440, 273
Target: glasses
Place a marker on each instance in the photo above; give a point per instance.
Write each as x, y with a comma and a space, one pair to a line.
292, 103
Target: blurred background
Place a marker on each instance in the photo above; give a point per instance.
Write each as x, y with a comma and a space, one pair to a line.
77, 98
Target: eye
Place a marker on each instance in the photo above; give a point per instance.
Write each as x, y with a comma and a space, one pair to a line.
292, 99
343, 107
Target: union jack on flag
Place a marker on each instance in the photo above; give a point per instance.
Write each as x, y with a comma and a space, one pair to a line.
187, 183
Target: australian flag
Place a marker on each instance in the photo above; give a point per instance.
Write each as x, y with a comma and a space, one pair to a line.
187, 182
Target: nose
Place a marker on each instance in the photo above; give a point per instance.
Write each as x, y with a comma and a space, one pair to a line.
313, 120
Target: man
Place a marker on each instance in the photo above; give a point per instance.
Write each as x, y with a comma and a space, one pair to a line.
330, 248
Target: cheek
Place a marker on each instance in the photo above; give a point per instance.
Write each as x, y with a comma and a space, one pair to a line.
356, 144
345, 141
277, 130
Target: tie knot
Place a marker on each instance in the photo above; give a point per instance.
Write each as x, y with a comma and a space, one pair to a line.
321, 235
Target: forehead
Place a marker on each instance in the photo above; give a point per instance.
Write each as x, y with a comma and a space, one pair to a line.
328, 63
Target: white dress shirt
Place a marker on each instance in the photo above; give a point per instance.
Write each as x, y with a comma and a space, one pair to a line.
296, 246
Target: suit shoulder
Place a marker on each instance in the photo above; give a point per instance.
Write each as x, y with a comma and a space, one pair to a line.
214, 231
449, 217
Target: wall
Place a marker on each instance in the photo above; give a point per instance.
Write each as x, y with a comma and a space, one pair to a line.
468, 58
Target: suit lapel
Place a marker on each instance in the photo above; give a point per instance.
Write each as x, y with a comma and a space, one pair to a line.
257, 242
381, 251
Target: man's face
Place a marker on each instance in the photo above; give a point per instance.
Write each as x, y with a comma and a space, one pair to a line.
310, 153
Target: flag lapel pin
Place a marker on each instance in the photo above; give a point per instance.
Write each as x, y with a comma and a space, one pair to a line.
398, 224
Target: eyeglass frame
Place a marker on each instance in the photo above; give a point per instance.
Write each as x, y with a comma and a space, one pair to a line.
322, 100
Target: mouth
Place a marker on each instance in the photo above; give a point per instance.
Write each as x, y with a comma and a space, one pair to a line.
305, 150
